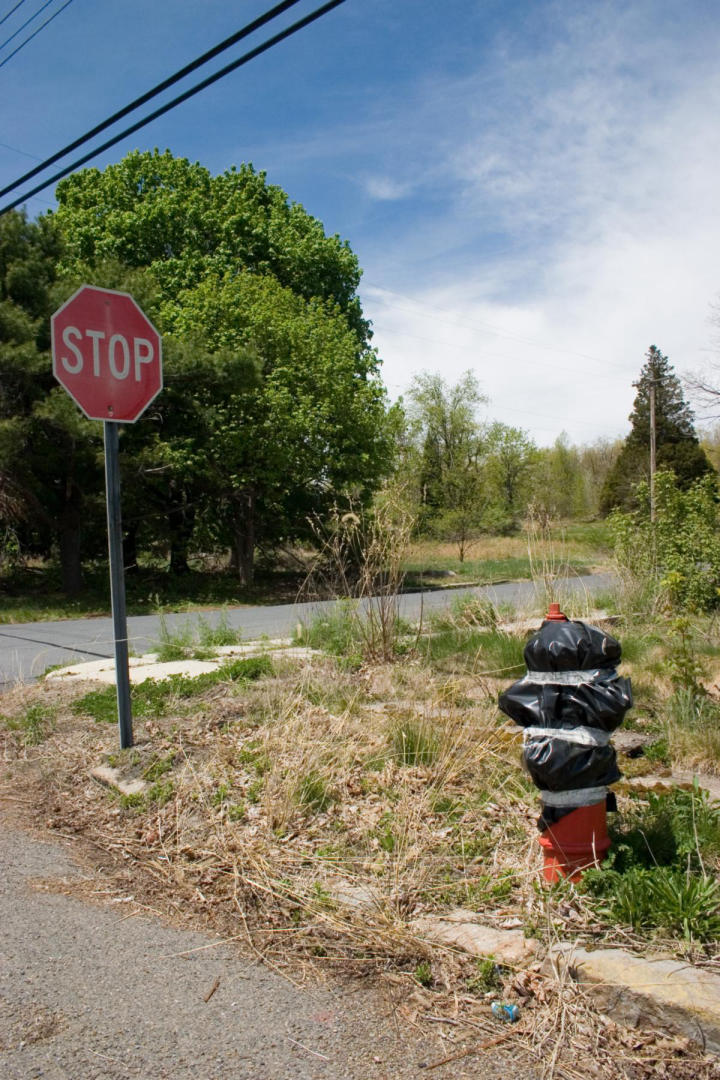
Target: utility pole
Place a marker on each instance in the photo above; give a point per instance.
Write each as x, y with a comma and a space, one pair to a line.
653, 446
653, 464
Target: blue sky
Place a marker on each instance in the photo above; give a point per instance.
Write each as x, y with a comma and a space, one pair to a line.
532, 189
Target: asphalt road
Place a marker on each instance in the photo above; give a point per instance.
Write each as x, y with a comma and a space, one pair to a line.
90, 992
28, 649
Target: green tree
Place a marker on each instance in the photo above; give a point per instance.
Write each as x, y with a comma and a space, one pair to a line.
511, 455
558, 487
596, 461
156, 211
452, 446
49, 453
674, 560
678, 447
273, 405
309, 426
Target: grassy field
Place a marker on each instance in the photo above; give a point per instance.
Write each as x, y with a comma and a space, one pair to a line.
33, 593
318, 807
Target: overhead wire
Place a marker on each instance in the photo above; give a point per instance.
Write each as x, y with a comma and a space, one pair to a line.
11, 11
246, 58
16, 150
188, 69
27, 22
35, 32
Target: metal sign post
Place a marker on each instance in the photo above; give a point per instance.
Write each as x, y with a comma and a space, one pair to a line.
108, 356
117, 583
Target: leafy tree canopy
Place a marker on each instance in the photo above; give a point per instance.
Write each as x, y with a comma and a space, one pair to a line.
161, 212
273, 404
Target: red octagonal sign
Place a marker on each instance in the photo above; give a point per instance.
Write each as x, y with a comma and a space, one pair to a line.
107, 354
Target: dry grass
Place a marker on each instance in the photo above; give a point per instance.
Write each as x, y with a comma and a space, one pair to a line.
311, 816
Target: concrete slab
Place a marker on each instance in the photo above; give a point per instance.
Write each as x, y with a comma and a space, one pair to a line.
244, 647
110, 777
663, 994
147, 666
141, 669
461, 929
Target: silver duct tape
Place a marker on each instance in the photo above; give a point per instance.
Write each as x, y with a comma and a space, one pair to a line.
579, 797
585, 736
570, 678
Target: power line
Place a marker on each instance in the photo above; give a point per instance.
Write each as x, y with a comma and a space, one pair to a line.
475, 352
26, 23
35, 32
7, 146
11, 11
257, 51
164, 85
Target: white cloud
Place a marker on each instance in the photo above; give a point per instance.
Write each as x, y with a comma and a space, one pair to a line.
596, 165
385, 188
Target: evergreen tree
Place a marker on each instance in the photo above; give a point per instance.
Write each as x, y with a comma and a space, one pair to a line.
677, 447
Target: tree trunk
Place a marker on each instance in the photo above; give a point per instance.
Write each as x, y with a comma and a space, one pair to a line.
181, 522
69, 545
243, 555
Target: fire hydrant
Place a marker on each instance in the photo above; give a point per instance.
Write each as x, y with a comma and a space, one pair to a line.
568, 704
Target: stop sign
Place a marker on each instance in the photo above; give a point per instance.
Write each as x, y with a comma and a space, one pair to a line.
107, 354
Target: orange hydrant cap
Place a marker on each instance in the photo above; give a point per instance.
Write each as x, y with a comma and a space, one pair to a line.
555, 614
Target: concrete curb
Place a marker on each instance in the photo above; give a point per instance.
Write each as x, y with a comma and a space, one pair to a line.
655, 993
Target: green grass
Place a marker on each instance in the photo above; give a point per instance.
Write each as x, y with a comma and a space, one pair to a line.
657, 879
151, 698
353, 634
423, 974
413, 742
34, 725
34, 594
659, 899
197, 641
313, 793
487, 976
476, 650
421, 573
636, 646
158, 767
691, 727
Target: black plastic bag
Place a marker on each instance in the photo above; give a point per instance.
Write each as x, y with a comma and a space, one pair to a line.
571, 646
556, 764
601, 702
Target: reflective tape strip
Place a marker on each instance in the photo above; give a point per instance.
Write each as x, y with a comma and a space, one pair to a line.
585, 736
570, 678
578, 797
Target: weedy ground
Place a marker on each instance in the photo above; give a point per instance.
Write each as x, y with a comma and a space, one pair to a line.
312, 810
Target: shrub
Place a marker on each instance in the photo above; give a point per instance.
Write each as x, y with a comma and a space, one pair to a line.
675, 560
